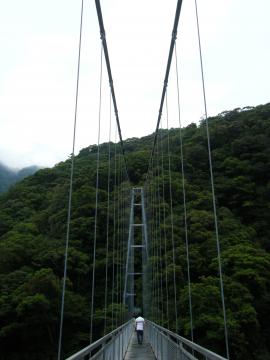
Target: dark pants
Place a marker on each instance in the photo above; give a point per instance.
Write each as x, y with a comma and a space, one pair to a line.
140, 336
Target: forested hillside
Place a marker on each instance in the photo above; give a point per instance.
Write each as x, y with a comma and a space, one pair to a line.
33, 221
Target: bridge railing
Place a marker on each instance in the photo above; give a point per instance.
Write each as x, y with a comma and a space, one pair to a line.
110, 347
168, 345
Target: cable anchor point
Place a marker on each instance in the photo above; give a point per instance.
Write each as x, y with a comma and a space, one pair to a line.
174, 35
102, 35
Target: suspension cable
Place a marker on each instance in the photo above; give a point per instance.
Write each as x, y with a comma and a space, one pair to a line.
171, 213
106, 54
114, 228
213, 188
117, 242
155, 306
150, 217
165, 233
121, 246
184, 198
108, 217
174, 35
70, 190
160, 241
156, 287
150, 231
124, 243
159, 293
96, 203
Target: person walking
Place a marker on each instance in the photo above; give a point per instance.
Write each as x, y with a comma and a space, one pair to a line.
139, 325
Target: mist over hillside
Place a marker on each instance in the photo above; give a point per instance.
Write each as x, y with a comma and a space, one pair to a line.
9, 176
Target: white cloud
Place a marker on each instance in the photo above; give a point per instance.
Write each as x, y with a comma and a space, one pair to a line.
39, 47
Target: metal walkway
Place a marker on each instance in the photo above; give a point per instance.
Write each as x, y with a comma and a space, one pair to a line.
165, 345
139, 352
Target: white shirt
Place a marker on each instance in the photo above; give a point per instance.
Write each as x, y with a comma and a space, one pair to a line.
139, 323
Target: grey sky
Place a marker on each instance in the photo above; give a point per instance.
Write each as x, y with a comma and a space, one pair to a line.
39, 46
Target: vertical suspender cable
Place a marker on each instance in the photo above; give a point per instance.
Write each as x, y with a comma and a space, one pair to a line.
184, 200
118, 240
156, 241
151, 241
154, 307
70, 190
132, 252
108, 218
160, 235
155, 244
121, 245
121, 242
96, 205
213, 189
114, 228
171, 214
150, 268
121, 248
165, 234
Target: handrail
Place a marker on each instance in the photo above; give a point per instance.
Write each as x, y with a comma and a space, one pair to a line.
115, 342
172, 340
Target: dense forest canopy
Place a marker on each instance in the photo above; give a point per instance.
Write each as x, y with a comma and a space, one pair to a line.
33, 221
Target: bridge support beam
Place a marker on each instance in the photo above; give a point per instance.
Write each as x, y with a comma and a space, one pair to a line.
137, 252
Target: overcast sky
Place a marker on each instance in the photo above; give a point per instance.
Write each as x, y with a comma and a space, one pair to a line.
39, 49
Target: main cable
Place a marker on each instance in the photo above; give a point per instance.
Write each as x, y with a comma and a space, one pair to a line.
174, 36
107, 59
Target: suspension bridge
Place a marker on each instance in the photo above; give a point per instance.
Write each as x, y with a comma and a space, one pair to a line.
143, 244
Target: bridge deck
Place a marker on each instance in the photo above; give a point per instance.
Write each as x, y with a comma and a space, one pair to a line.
136, 351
